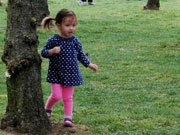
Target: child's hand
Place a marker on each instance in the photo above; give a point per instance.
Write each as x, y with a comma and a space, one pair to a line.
54, 50
93, 66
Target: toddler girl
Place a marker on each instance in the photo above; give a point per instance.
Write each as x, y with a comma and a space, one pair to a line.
64, 50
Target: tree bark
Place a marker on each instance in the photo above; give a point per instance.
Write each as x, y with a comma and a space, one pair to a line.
152, 5
25, 110
40, 10
0, 3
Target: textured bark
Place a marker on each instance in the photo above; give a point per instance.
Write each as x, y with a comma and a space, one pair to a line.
25, 110
152, 5
40, 10
0, 3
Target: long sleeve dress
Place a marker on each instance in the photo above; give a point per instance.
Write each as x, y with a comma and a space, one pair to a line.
63, 67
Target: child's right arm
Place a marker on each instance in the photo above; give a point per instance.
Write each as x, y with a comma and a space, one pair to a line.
49, 49
54, 50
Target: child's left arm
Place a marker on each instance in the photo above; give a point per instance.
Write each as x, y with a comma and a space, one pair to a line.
81, 55
93, 66
84, 59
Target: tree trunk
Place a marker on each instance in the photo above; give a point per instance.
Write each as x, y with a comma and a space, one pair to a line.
0, 3
25, 110
40, 10
152, 5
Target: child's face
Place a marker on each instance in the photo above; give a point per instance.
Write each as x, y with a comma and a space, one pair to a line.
68, 26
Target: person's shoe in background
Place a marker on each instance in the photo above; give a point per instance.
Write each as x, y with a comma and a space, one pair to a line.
91, 3
80, 3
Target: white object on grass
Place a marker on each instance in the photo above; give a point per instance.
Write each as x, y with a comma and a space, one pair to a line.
7, 74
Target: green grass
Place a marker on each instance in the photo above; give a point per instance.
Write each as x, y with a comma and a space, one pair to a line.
136, 90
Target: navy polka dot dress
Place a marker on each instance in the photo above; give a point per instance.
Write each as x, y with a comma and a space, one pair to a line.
63, 67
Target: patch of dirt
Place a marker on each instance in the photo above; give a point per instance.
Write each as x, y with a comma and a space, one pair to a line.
2, 27
57, 129
4, 1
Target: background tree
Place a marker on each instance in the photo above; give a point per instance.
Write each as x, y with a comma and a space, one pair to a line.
0, 3
152, 5
40, 10
25, 110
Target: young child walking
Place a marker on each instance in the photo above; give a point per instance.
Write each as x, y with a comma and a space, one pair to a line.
64, 50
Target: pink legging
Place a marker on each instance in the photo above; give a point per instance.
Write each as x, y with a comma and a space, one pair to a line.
59, 92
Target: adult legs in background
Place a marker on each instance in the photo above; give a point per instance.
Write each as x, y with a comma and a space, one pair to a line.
90, 2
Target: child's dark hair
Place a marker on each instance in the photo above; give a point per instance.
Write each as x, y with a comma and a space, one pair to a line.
59, 17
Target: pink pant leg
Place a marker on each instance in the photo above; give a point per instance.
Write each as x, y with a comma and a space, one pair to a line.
67, 96
56, 95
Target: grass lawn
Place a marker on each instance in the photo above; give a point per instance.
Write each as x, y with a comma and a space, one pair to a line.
137, 88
